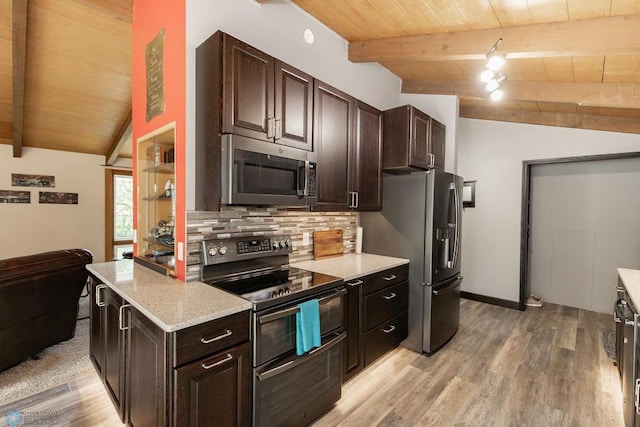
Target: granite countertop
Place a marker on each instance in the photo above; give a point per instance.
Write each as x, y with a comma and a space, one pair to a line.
350, 266
171, 304
631, 281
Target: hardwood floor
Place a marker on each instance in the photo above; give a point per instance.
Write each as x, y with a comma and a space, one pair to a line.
541, 367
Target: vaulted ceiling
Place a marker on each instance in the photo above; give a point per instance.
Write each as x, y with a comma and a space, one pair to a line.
65, 66
65, 75
572, 63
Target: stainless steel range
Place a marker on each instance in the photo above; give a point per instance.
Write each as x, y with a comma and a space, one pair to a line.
287, 389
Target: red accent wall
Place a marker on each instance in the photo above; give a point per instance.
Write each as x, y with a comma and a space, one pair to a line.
149, 17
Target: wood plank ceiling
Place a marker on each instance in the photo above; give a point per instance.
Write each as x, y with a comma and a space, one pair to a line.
77, 76
573, 63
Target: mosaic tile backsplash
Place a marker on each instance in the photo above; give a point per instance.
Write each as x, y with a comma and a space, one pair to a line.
254, 221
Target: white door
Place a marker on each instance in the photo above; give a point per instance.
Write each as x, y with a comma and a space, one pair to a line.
585, 222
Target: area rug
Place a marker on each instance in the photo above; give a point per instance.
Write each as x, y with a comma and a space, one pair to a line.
608, 338
53, 366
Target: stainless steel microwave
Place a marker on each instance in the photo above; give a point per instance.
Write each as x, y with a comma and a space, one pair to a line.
262, 173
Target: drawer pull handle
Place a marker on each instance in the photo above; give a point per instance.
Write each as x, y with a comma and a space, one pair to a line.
393, 276
218, 338
390, 296
219, 362
356, 283
388, 331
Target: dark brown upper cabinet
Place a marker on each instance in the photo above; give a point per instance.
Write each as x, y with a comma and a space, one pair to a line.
348, 138
333, 124
438, 143
408, 140
366, 150
264, 98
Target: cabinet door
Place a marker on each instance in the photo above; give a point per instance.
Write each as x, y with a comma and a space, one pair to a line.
248, 91
366, 151
333, 112
146, 375
438, 143
214, 391
96, 337
114, 351
294, 107
353, 347
419, 143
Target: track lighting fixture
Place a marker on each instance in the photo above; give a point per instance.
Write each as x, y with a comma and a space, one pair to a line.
491, 75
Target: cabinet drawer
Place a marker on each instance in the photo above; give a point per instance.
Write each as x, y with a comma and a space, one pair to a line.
385, 304
385, 337
386, 278
200, 340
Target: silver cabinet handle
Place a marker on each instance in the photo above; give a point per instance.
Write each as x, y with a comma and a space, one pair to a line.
356, 283
388, 331
121, 324
390, 296
357, 199
393, 276
98, 302
219, 362
218, 338
270, 127
278, 131
336, 294
637, 404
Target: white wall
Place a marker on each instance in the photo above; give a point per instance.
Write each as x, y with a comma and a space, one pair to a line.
33, 228
277, 29
492, 153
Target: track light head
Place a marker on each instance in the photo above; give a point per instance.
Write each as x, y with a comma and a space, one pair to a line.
497, 95
486, 76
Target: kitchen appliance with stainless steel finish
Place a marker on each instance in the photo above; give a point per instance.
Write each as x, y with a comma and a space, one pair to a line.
624, 315
287, 389
421, 220
257, 173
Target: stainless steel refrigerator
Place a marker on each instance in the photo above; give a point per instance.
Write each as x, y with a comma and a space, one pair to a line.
421, 220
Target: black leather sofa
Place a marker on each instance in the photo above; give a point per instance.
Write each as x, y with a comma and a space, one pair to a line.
39, 301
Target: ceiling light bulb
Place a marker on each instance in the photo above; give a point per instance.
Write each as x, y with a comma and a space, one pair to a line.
495, 62
486, 76
492, 85
497, 95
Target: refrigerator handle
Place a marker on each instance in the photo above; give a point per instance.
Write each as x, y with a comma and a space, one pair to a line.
456, 244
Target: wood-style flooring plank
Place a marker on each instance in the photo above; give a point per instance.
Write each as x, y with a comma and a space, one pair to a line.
541, 367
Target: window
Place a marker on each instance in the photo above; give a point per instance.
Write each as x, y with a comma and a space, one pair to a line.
119, 214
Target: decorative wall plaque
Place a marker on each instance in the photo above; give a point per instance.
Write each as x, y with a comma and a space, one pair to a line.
31, 180
154, 59
58, 198
10, 196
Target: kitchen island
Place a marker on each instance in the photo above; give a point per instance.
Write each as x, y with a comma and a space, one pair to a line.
168, 352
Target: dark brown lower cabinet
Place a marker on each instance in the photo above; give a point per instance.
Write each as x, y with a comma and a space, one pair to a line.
214, 391
375, 317
197, 376
146, 364
353, 351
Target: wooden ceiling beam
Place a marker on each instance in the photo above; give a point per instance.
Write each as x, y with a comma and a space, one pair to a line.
19, 59
571, 120
585, 37
611, 95
124, 133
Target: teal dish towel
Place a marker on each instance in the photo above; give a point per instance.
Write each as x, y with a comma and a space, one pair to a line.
307, 327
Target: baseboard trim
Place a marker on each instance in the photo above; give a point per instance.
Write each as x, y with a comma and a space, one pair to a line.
491, 300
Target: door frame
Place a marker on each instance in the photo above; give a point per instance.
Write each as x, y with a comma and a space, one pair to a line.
108, 211
526, 201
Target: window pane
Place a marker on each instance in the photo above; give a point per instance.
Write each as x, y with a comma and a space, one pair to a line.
122, 207
118, 251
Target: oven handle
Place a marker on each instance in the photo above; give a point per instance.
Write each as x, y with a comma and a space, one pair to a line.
302, 359
289, 311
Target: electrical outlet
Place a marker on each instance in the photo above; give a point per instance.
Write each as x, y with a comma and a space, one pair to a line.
305, 239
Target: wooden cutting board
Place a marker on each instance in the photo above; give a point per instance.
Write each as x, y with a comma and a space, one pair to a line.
327, 244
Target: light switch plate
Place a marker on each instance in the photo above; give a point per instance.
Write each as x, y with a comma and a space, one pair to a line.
305, 239
180, 251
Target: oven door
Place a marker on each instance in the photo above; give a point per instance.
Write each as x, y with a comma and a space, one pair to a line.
258, 173
275, 329
296, 390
